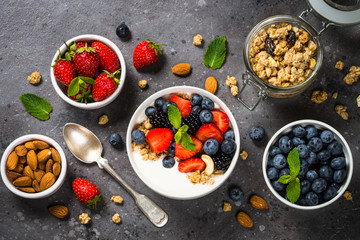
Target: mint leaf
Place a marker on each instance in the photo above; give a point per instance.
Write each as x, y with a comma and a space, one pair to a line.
36, 106
285, 179
174, 116
74, 87
294, 162
215, 53
187, 142
293, 190
180, 133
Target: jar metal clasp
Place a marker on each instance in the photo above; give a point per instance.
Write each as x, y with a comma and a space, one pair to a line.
324, 24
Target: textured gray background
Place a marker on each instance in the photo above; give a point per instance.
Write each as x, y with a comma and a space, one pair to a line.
30, 32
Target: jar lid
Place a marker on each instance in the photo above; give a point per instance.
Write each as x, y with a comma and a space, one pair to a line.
337, 12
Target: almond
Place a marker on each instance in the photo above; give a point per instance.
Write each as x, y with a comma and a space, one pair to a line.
12, 161
59, 211
31, 159
19, 168
30, 146
211, 85
181, 69
26, 189
56, 168
38, 173
55, 155
47, 181
22, 160
258, 202
29, 172
41, 144
42, 166
22, 182
21, 150
12, 175
48, 166
36, 185
244, 220
43, 155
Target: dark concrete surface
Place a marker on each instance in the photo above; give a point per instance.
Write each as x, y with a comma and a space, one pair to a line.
30, 32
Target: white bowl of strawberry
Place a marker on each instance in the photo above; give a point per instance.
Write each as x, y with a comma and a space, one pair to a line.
88, 71
183, 142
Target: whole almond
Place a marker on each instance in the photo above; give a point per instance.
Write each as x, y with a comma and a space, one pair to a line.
30, 146
56, 168
21, 150
27, 189
59, 211
22, 160
47, 181
22, 182
42, 166
55, 155
19, 168
29, 172
258, 202
43, 155
211, 84
12, 175
181, 69
31, 159
36, 185
41, 144
12, 161
244, 220
48, 166
38, 173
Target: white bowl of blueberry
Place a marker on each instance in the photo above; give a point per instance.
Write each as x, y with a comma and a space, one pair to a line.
183, 142
307, 164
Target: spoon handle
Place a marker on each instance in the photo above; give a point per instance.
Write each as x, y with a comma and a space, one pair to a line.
151, 210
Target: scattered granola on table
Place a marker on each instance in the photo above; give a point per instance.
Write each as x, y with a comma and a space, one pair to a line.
335, 95
319, 96
34, 78
348, 195
197, 177
197, 40
103, 119
84, 218
243, 155
339, 65
226, 207
116, 218
232, 83
143, 84
341, 110
353, 75
358, 101
117, 199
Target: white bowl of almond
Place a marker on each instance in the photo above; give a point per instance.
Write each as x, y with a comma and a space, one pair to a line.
33, 166
183, 142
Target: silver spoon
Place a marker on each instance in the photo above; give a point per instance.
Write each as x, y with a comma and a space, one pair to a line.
86, 147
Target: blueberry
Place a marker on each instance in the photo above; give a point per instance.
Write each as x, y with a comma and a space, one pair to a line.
122, 31
273, 173
165, 106
312, 199
206, 116
115, 140
336, 186
304, 168
211, 147
168, 162
303, 151
196, 100
277, 186
257, 133
159, 102
171, 148
339, 176
326, 172
228, 146
207, 103
329, 193
299, 131
138, 136
305, 186
229, 135
338, 163
311, 175
236, 194
312, 158
323, 157
311, 132
301, 201
315, 144
297, 141
270, 162
150, 111
279, 161
274, 151
196, 109
327, 136
173, 129
319, 185
285, 144
335, 148
284, 171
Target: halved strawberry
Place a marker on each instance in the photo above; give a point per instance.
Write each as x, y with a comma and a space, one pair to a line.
221, 120
159, 139
208, 131
191, 165
183, 153
183, 105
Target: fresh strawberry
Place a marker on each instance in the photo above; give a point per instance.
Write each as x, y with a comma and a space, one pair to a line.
183, 153
159, 139
146, 53
208, 131
191, 165
64, 71
86, 192
183, 105
105, 85
221, 120
86, 61
108, 59
80, 44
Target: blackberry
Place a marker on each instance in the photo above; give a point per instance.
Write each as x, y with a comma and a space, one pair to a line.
193, 122
159, 119
222, 161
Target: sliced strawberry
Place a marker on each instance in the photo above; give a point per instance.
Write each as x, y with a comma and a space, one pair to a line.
191, 165
183, 105
159, 139
183, 153
221, 120
208, 131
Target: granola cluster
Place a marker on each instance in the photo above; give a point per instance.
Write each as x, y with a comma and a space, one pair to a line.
143, 84
232, 83
34, 78
200, 177
341, 110
197, 40
117, 199
116, 218
319, 96
84, 218
283, 55
339, 65
353, 75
